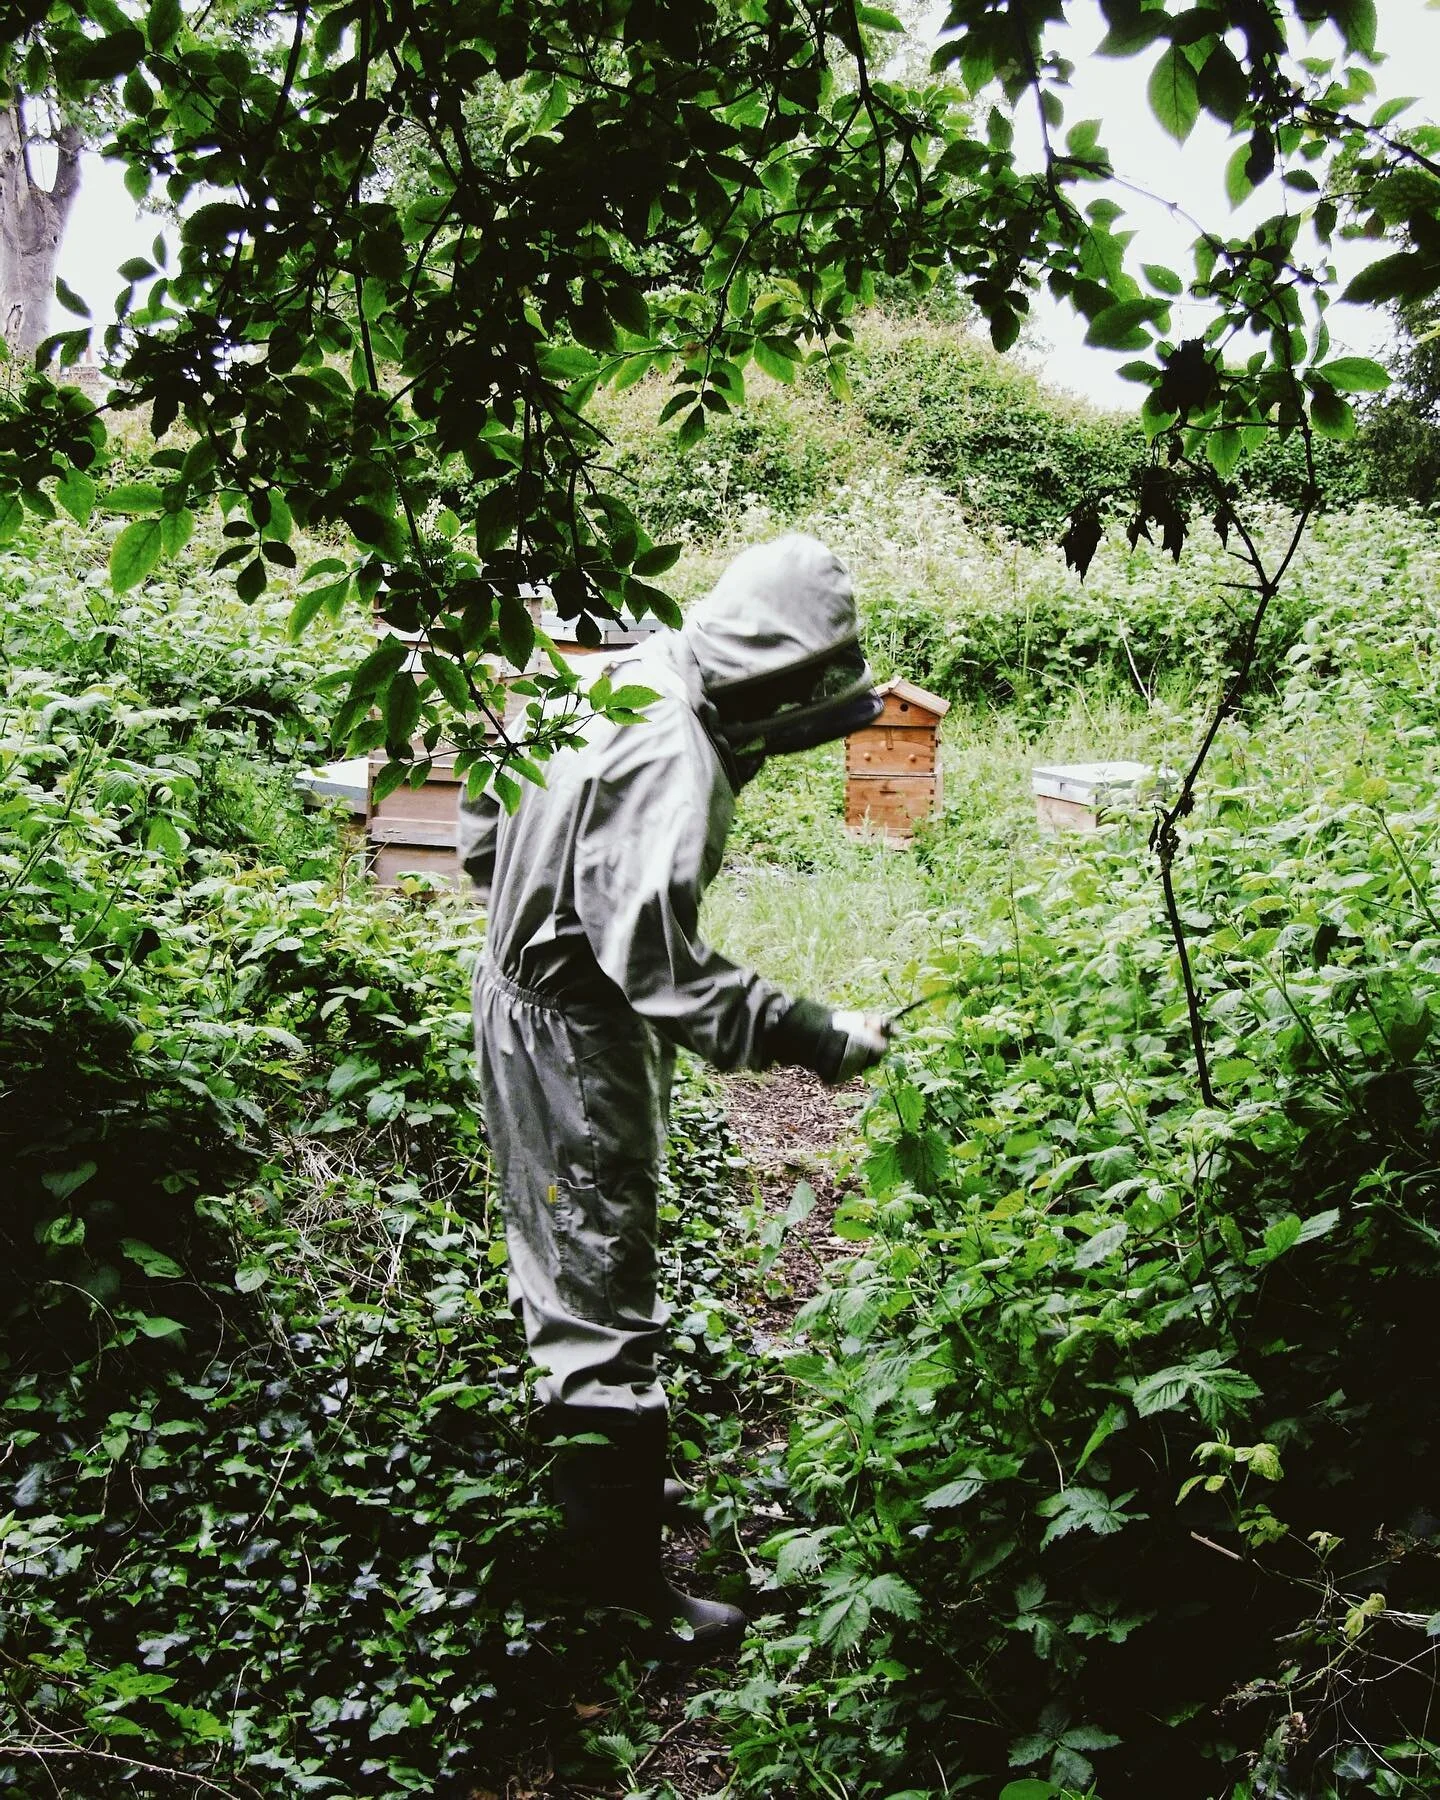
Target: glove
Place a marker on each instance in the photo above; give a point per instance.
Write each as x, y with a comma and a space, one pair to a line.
867, 1038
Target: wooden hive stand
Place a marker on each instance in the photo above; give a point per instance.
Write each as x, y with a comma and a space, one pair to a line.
892, 768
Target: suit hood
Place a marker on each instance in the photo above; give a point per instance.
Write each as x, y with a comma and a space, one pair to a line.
777, 607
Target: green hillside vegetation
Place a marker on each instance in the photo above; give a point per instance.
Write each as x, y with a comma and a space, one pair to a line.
1104, 1467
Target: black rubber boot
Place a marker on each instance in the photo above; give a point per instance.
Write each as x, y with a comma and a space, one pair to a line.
612, 1495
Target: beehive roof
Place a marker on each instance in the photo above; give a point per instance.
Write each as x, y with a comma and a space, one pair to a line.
917, 696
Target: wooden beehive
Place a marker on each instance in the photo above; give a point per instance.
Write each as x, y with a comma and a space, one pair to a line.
415, 830
892, 768
1076, 796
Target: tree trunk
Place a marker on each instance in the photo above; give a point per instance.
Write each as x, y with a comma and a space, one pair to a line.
32, 223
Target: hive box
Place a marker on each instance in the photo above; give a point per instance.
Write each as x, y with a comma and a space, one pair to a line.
1076, 796
892, 768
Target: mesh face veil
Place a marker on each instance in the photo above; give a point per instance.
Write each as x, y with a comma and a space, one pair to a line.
802, 706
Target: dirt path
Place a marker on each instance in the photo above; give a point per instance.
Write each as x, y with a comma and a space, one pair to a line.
789, 1127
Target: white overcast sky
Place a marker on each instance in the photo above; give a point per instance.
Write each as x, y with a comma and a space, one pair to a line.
105, 228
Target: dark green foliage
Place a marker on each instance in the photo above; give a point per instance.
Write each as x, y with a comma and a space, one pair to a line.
274, 1515
988, 433
1401, 442
772, 452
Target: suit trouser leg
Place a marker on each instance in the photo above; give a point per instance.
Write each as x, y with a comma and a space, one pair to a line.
575, 1105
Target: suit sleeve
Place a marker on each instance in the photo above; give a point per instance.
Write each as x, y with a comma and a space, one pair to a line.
479, 827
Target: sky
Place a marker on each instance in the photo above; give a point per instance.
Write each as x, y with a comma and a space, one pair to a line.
105, 228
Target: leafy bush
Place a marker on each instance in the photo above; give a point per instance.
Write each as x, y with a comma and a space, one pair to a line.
1117, 1463
272, 1519
777, 454
986, 432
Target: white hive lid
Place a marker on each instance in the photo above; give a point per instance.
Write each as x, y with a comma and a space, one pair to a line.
348, 781
1089, 784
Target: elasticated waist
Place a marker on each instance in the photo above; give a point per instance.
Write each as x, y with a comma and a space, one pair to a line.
577, 993
495, 977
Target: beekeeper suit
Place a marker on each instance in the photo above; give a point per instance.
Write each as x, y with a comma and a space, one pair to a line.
593, 975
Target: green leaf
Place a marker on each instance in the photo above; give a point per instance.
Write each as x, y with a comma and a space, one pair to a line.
329, 597
70, 300
1318, 1225
154, 1326
1224, 448
1357, 23
12, 516
1331, 416
134, 497
1031, 1790
1102, 1246
176, 530
516, 630
1280, 1237
769, 360
1214, 1387
955, 1493
76, 493
878, 19
1119, 327
1174, 97
1221, 86
1238, 185
135, 553
1085, 1509
164, 835
1403, 276
62, 1183
449, 678
657, 560
1164, 280
842, 1624
152, 1261
1355, 375
162, 23
250, 582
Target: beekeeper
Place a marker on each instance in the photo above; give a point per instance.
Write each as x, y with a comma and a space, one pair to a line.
593, 975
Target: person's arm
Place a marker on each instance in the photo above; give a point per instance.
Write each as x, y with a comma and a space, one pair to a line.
479, 826
638, 882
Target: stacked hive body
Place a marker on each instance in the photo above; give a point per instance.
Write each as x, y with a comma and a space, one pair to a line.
414, 830
1078, 796
892, 768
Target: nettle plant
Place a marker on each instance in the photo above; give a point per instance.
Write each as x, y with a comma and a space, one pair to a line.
1118, 1454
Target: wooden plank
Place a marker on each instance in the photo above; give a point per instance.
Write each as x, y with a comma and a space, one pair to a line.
436, 800
388, 862
892, 804
381, 830
890, 750
1065, 815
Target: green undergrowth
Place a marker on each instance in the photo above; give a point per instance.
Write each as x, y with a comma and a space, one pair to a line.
1114, 1457
274, 1517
